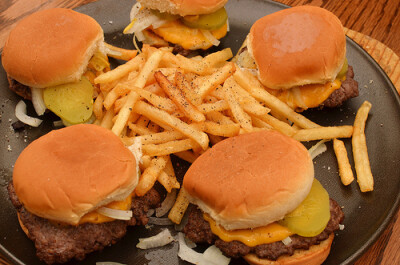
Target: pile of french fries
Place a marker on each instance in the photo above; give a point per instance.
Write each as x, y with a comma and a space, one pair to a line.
171, 104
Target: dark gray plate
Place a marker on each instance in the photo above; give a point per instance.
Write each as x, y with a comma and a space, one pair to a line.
366, 214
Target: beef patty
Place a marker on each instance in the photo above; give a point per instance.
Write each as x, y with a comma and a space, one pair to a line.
56, 243
198, 230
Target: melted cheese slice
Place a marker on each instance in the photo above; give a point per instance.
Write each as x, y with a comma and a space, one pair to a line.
188, 38
96, 218
307, 96
250, 237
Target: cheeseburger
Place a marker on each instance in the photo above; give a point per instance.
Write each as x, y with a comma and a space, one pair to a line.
187, 25
299, 55
52, 57
257, 198
73, 190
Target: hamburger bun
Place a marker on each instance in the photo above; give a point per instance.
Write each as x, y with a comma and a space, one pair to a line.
72, 171
315, 255
238, 182
297, 46
185, 7
51, 47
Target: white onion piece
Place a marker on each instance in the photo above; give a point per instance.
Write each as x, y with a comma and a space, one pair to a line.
140, 36
317, 149
161, 239
208, 35
58, 123
287, 241
167, 204
186, 253
160, 221
116, 214
38, 101
108, 263
298, 97
228, 28
108, 51
135, 9
214, 256
150, 212
158, 23
20, 113
142, 20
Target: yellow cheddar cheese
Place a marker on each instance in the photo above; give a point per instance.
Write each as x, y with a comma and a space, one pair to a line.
251, 237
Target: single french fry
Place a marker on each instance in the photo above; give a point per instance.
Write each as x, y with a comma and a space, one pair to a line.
150, 65
161, 137
139, 129
238, 113
168, 182
188, 156
214, 81
120, 71
253, 86
124, 113
98, 107
362, 165
119, 53
278, 124
179, 98
224, 130
150, 174
218, 117
107, 122
162, 117
114, 94
160, 102
306, 135
145, 162
219, 105
216, 58
178, 210
258, 123
345, 172
169, 147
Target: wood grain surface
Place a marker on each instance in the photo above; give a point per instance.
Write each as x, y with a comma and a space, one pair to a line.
373, 24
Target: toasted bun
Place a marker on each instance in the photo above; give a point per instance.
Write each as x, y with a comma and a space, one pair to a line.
250, 180
51, 47
315, 255
297, 46
184, 7
71, 171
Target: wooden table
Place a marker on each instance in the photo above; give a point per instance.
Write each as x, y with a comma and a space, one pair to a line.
374, 24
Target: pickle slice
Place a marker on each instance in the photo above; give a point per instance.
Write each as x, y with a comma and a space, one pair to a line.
343, 71
209, 21
72, 102
312, 215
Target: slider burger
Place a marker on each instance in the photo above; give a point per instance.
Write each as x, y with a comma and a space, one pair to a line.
299, 55
257, 198
52, 57
73, 190
187, 24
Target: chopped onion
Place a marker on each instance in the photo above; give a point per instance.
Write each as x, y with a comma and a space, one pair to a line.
160, 221
20, 113
317, 149
161, 239
208, 35
150, 212
140, 36
167, 204
116, 214
214, 256
58, 123
341, 227
142, 20
228, 26
38, 101
108, 51
298, 97
186, 253
135, 9
287, 241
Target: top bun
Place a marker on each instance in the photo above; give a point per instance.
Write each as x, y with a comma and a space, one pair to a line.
71, 171
51, 47
297, 46
184, 7
250, 180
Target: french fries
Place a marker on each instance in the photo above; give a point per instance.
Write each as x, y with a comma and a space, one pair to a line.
171, 104
361, 161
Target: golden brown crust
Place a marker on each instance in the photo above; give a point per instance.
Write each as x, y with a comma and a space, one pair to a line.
238, 181
71, 171
51, 47
297, 46
316, 255
185, 7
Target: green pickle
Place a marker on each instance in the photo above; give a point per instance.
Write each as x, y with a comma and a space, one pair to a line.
343, 71
312, 215
72, 102
209, 21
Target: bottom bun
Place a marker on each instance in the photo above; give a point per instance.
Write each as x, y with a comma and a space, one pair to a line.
22, 225
315, 255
